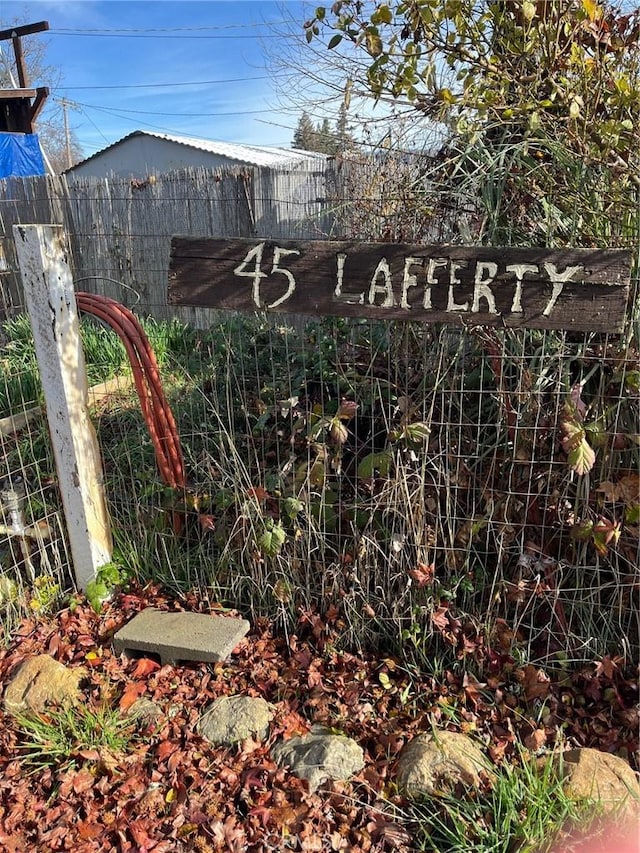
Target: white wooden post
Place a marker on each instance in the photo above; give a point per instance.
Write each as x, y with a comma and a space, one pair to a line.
50, 299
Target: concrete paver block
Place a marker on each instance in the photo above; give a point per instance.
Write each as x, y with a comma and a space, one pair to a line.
178, 637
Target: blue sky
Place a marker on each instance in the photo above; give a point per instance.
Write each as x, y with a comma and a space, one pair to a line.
143, 65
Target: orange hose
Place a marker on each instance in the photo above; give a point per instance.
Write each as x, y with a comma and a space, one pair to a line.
155, 408
146, 375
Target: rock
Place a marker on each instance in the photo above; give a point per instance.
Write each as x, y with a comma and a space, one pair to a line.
439, 763
594, 775
234, 718
144, 712
319, 756
40, 682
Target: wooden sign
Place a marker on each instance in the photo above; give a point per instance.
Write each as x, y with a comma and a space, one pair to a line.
581, 289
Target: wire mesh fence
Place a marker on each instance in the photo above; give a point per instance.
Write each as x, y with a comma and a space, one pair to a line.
414, 482
35, 566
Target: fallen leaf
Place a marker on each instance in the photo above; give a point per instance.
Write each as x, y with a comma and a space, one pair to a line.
132, 691
535, 682
608, 666
145, 666
629, 488
440, 618
207, 522
88, 830
609, 490
258, 492
423, 573
83, 781
141, 836
165, 749
536, 740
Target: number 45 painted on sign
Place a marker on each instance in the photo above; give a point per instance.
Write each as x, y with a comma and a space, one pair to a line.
256, 275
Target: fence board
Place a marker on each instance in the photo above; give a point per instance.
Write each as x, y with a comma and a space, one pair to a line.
120, 229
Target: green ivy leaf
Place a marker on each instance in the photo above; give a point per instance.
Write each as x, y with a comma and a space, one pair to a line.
581, 531
380, 462
417, 432
272, 539
581, 458
632, 514
292, 506
97, 594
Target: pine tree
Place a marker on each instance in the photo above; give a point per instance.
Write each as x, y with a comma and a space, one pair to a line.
305, 134
324, 137
343, 138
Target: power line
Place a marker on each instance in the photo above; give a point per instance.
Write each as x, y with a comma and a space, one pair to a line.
168, 85
140, 122
244, 26
132, 117
173, 113
171, 35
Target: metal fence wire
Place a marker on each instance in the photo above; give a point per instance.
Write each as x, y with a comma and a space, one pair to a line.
405, 474
35, 565
413, 481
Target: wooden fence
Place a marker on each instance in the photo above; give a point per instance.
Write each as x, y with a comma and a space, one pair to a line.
120, 229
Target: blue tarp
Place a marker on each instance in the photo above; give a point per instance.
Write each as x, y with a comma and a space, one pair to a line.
20, 155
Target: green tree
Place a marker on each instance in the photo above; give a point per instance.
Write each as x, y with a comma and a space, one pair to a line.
343, 138
322, 137
518, 86
304, 136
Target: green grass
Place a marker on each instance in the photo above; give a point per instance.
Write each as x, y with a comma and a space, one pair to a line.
58, 738
104, 353
526, 810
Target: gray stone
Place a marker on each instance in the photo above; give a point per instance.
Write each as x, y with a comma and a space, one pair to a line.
41, 682
439, 763
589, 774
320, 756
176, 637
144, 712
234, 718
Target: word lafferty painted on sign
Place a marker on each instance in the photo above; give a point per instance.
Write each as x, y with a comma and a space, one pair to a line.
382, 292
539, 288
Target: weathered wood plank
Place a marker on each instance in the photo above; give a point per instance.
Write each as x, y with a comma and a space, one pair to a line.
573, 289
42, 256
14, 423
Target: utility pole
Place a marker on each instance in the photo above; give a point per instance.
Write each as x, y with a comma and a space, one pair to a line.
66, 106
67, 136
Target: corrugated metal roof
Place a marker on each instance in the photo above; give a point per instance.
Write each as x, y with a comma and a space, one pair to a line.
255, 155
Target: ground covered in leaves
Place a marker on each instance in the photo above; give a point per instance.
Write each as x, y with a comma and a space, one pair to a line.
170, 790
